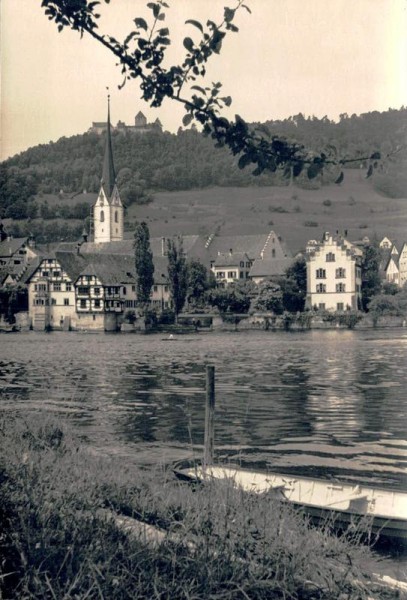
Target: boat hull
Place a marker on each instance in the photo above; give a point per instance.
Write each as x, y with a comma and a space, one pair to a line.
380, 511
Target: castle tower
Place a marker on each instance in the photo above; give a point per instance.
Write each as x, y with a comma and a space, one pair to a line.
108, 211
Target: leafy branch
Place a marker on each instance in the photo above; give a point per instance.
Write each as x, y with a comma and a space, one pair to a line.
141, 56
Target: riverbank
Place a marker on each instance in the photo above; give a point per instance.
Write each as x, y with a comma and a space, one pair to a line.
63, 510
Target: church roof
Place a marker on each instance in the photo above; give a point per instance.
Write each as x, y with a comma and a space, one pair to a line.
108, 173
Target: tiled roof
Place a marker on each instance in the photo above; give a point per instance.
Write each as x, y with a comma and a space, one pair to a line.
268, 267
10, 246
230, 260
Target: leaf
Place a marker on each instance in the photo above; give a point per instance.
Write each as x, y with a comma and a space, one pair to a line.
313, 170
195, 24
369, 172
247, 8
164, 32
229, 14
244, 160
186, 119
340, 178
200, 89
227, 100
188, 44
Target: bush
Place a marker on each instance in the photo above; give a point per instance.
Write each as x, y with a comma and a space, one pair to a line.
311, 224
327, 202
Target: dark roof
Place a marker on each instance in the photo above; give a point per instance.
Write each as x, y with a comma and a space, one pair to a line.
252, 245
108, 173
10, 246
228, 259
269, 267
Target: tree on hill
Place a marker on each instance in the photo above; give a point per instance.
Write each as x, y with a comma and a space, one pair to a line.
141, 56
177, 274
143, 257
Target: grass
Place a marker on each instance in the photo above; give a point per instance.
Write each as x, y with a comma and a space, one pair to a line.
220, 543
246, 210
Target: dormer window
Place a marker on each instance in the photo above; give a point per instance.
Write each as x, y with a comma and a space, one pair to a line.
330, 257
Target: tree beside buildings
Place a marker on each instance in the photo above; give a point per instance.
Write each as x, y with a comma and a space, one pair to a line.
143, 257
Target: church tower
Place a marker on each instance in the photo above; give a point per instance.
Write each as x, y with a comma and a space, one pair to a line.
108, 211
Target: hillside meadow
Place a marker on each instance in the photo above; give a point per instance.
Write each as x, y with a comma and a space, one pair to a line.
294, 213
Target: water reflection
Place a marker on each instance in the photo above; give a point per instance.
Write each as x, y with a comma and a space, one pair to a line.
325, 401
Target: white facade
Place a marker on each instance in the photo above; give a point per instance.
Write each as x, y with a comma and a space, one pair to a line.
51, 296
108, 217
403, 265
334, 275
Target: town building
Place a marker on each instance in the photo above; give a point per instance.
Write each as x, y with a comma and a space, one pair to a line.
334, 275
16, 254
393, 265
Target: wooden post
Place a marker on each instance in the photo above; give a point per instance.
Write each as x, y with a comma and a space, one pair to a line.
209, 415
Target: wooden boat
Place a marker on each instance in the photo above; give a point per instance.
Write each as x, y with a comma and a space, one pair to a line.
342, 504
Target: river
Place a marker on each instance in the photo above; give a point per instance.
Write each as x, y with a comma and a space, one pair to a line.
326, 403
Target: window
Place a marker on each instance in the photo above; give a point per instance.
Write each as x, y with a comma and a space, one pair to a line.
97, 303
116, 217
56, 273
273, 253
83, 303
358, 287
321, 288
133, 288
340, 273
83, 290
42, 287
69, 287
232, 274
45, 273
321, 273
102, 216
66, 301
124, 290
97, 291
17, 262
340, 287
330, 257
241, 275
248, 265
53, 301
339, 306
155, 288
241, 264
166, 288
321, 306
57, 287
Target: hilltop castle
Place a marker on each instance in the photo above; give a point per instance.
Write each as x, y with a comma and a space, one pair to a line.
140, 125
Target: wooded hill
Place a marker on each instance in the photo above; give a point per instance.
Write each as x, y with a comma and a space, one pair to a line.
160, 161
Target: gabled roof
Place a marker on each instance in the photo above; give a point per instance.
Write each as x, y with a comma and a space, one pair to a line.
227, 259
10, 246
252, 245
269, 267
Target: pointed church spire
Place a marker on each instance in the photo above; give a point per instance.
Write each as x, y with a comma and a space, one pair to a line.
108, 174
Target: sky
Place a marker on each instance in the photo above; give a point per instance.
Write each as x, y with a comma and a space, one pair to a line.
318, 57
